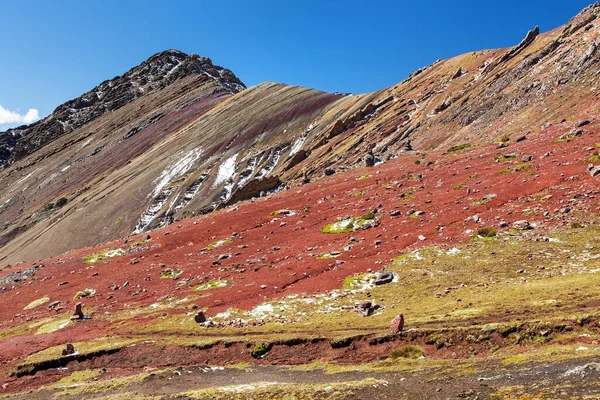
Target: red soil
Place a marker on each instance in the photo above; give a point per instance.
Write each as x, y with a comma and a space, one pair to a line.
294, 268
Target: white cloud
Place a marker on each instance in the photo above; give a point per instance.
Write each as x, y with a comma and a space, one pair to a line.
13, 117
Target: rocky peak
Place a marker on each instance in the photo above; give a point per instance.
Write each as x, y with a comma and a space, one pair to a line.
157, 72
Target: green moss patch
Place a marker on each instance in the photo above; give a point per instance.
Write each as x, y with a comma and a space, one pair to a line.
170, 273
37, 303
359, 282
350, 224
517, 168
103, 255
77, 377
330, 255
214, 284
505, 157
460, 147
260, 350
218, 243
84, 293
408, 351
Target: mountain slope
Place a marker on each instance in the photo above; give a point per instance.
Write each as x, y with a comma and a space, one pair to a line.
190, 146
478, 225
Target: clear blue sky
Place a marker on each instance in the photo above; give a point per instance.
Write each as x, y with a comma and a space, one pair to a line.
53, 51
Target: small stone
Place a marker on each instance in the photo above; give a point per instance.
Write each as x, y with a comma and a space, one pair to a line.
54, 304
78, 312
594, 170
583, 123
397, 324
421, 238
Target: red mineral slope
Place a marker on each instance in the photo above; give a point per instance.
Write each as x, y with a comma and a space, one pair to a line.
267, 256
193, 144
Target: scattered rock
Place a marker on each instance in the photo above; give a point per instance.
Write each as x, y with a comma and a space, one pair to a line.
366, 308
329, 171
200, 317
385, 277
397, 324
583, 123
520, 138
527, 158
594, 170
458, 73
54, 305
68, 350
78, 312
522, 225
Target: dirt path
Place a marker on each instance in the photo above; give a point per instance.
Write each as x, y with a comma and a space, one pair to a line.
572, 379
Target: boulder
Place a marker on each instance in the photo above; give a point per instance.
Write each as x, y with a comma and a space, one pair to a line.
458, 73
329, 171
369, 160
68, 350
200, 317
385, 277
78, 312
397, 324
365, 308
522, 225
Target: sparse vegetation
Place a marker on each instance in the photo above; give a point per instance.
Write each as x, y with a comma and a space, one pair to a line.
460, 147
487, 232
260, 349
219, 243
350, 224
594, 158
517, 168
214, 284
407, 351
170, 273
84, 293
103, 255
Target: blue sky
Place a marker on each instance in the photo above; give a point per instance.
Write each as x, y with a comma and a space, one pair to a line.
53, 51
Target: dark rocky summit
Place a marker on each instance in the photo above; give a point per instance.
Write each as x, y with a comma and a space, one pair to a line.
154, 74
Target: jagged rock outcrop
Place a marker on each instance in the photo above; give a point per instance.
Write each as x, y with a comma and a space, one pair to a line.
154, 74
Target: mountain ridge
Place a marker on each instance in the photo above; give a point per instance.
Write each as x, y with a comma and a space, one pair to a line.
218, 147
156, 72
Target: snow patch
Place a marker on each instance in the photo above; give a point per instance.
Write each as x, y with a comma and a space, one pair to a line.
162, 191
226, 171
271, 164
